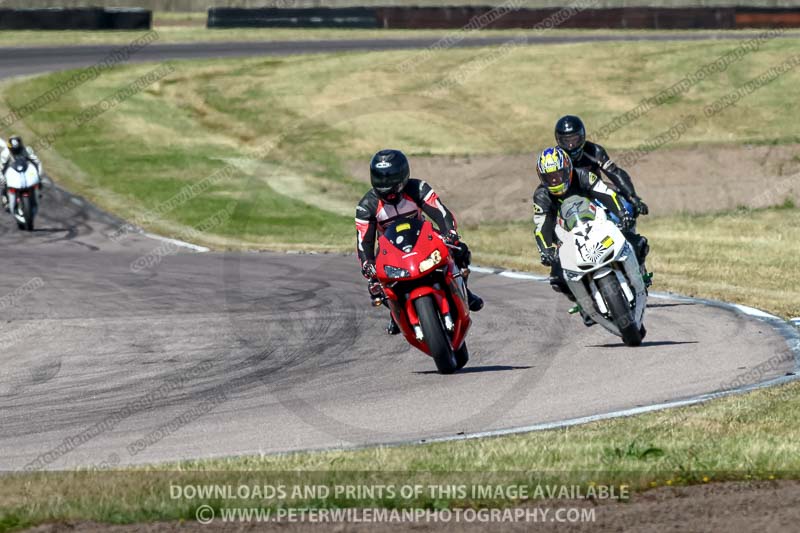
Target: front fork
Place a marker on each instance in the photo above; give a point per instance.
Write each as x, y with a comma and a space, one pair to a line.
441, 302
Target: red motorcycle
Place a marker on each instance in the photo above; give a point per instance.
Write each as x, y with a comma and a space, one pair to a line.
425, 291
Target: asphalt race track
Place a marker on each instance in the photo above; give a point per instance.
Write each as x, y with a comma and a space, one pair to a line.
209, 354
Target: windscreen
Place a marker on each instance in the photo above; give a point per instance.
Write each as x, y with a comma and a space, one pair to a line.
20, 164
403, 234
576, 209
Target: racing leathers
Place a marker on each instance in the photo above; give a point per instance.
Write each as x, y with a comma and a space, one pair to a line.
595, 159
5, 160
416, 199
373, 215
545, 215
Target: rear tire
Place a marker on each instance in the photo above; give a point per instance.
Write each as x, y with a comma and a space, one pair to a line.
435, 336
621, 312
27, 212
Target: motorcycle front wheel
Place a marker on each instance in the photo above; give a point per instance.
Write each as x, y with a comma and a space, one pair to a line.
27, 212
435, 335
620, 310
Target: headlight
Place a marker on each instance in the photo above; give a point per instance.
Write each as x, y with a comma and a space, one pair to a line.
434, 259
394, 272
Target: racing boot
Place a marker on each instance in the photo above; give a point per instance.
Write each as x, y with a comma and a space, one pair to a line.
392, 328
475, 302
642, 248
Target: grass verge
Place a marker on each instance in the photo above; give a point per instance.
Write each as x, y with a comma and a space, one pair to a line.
173, 28
748, 437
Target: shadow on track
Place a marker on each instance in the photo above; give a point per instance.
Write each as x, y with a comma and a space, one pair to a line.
477, 369
643, 345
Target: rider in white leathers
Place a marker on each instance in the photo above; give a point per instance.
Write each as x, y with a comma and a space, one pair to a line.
15, 148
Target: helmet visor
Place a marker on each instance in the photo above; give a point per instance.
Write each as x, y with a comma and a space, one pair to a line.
571, 141
557, 182
390, 194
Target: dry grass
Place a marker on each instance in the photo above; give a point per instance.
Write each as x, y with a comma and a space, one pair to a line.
746, 256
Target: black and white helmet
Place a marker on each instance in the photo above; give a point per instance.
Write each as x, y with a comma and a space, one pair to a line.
389, 173
15, 146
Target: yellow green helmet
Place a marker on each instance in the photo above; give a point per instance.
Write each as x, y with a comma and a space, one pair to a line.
555, 170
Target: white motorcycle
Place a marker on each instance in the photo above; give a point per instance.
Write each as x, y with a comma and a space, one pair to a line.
23, 182
601, 269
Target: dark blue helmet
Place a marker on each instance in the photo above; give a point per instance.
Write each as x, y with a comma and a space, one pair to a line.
389, 173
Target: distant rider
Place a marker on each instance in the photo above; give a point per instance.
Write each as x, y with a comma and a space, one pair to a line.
15, 149
571, 137
560, 180
394, 196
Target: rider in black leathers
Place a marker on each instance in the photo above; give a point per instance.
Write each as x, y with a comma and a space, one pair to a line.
394, 195
571, 137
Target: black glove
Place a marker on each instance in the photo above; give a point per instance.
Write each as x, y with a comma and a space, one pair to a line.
375, 289
626, 222
451, 237
460, 250
640, 207
368, 269
548, 256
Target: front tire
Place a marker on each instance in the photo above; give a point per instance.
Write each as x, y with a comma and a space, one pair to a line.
462, 356
435, 336
621, 312
27, 212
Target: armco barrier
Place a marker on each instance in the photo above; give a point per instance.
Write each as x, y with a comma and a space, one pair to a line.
615, 18
747, 17
75, 19
661, 18
353, 17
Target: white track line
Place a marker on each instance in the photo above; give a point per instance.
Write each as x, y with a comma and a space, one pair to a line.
176, 242
614, 414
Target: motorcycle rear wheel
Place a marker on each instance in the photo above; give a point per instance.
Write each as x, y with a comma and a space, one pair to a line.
620, 310
435, 336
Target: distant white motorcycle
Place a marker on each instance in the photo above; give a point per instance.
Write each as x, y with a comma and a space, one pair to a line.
23, 182
601, 269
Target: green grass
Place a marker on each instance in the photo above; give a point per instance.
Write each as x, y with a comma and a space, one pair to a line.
756, 436
358, 101
171, 31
